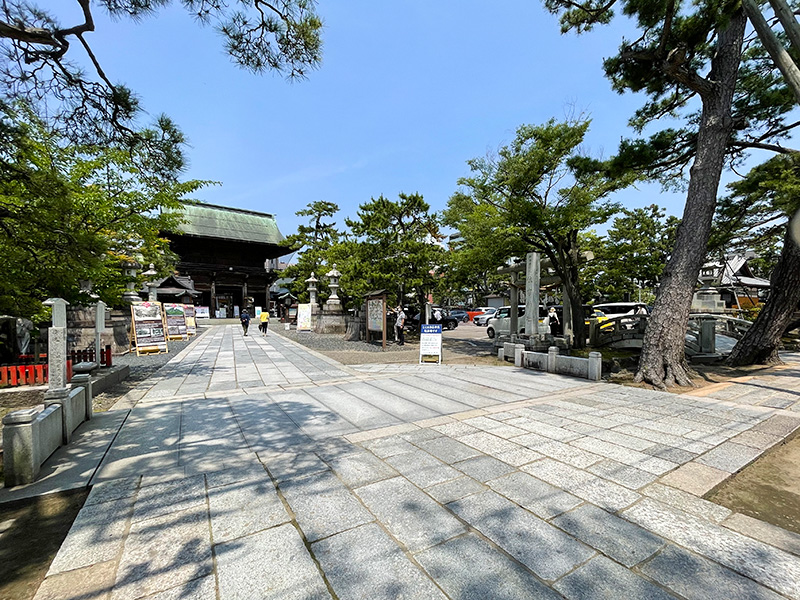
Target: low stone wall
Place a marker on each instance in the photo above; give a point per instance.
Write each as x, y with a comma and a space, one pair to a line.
553, 362
31, 436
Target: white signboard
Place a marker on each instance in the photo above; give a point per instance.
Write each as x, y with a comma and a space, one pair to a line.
303, 317
430, 343
201, 312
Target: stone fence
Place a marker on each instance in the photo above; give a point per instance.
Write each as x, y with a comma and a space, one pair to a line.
553, 362
31, 436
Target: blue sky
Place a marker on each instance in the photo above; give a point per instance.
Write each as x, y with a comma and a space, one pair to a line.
406, 93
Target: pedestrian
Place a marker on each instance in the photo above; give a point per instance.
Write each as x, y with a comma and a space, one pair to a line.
245, 319
264, 322
552, 320
399, 323
641, 310
437, 315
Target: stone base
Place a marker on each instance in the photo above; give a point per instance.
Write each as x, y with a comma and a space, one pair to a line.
331, 320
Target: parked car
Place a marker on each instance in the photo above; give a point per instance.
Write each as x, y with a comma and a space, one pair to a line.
500, 323
482, 318
459, 313
621, 309
447, 322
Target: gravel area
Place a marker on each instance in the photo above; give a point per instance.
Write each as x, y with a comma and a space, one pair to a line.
335, 342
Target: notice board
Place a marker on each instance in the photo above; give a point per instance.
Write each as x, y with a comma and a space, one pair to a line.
147, 325
430, 343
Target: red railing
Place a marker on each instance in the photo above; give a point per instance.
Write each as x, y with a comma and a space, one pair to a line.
35, 374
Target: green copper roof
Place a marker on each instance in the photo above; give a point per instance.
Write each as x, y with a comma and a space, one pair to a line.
221, 222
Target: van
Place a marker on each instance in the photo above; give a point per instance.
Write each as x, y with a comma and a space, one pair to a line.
500, 323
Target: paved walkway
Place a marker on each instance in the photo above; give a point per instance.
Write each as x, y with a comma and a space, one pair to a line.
252, 468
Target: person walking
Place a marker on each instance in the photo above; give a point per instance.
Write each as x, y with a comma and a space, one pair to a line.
245, 319
264, 325
399, 323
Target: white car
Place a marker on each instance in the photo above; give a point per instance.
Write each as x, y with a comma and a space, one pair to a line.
484, 317
621, 309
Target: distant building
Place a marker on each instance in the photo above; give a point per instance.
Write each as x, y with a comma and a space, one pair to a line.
229, 255
734, 280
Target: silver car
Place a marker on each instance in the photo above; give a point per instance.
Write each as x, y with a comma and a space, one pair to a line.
484, 317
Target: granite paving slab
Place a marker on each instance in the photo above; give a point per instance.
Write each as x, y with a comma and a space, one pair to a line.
468, 568
244, 508
542, 499
271, 565
365, 564
603, 578
512, 528
323, 505
411, 516
697, 578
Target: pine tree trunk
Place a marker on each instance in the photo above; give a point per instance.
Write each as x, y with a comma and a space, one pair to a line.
760, 344
663, 360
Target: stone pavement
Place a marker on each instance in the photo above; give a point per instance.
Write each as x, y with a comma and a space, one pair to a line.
253, 468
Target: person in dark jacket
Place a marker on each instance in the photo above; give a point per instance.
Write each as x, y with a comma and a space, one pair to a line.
245, 319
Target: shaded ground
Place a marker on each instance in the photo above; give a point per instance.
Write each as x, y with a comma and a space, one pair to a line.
768, 490
31, 533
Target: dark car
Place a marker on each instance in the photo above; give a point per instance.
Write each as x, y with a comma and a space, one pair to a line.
459, 314
447, 322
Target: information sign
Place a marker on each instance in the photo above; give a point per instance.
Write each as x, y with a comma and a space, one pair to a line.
191, 324
176, 321
202, 312
303, 317
147, 322
375, 310
430, 343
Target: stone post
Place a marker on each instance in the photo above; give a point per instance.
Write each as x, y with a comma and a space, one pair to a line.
20, 462
519, 354
99, 328
708, 335
57, 390
567, 317
533, 272
595, 366
84, 380
552, 353
514, 312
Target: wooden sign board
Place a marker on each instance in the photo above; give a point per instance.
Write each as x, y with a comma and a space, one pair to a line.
191, 324
175, 318
147, 328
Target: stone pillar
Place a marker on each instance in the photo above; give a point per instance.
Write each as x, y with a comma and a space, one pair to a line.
20, 460
99, 328
708, 335
595, 366
84, 380
57, 390
533, 273
519, 354
514, 312
567, 317
552, 353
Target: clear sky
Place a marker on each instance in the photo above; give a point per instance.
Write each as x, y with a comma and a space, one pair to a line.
406, 93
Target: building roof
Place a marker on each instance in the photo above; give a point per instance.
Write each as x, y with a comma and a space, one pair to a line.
222, 222
735, 272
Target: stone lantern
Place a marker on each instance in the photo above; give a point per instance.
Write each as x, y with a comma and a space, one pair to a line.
312, 288
152, 287
333, 283
130, 268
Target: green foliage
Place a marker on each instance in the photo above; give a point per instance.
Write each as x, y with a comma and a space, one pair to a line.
669, 64
395, 246
536, 195
755, 214
37, 51
70, 213
636, 247
314, 241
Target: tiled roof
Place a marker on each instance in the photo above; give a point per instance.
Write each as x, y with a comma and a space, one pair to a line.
222, 222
